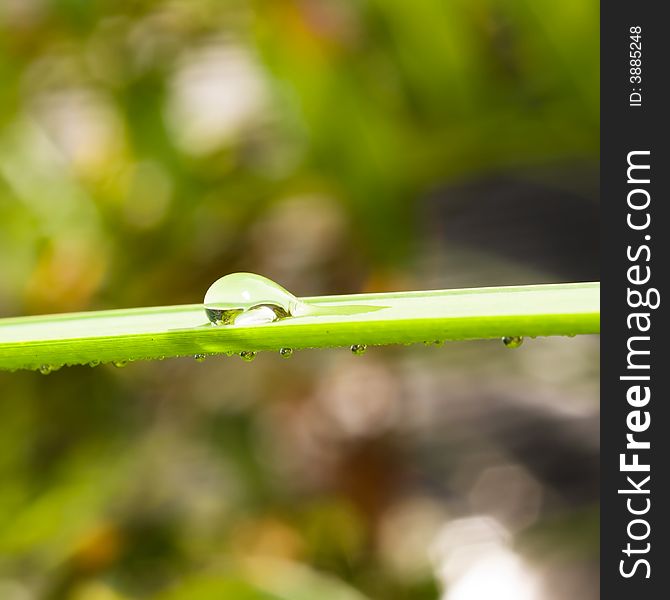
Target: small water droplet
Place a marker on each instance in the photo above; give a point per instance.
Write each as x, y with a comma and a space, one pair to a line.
434, 343
94, 363
199, 357
358, 349
247, 355
512, 341
46, 369
119, 364
285, 352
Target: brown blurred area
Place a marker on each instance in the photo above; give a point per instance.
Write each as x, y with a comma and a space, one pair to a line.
148, 147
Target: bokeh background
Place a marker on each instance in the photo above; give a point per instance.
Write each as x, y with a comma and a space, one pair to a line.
148, 147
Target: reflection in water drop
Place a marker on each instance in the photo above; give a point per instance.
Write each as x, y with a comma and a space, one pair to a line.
512, 341
119, 364
94, 363
285, 352
199, 357
260, 315
45, 369
358, 349
247, 355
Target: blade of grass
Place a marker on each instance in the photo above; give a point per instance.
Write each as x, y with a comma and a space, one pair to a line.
397, 318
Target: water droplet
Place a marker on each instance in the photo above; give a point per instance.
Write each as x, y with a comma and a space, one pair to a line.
238, 293
119, 364
94, 363
434, 343
247, 355
512, 341
200, 357
358, 349
285, 352
250, 299
45, 369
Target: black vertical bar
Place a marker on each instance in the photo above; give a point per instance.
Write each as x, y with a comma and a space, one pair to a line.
634, 391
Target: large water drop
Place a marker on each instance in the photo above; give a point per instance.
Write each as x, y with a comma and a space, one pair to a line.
248, 299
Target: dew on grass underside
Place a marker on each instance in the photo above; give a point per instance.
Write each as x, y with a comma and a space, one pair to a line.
285, 352
512, 341
358, 349
247, 355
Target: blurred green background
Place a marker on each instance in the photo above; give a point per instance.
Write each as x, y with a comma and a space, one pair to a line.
148, 147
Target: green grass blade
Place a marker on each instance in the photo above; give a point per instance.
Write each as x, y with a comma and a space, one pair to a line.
398, 318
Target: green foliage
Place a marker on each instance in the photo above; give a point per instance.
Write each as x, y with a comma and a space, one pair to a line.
111, 182
396, 318
272, 580
208, 588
